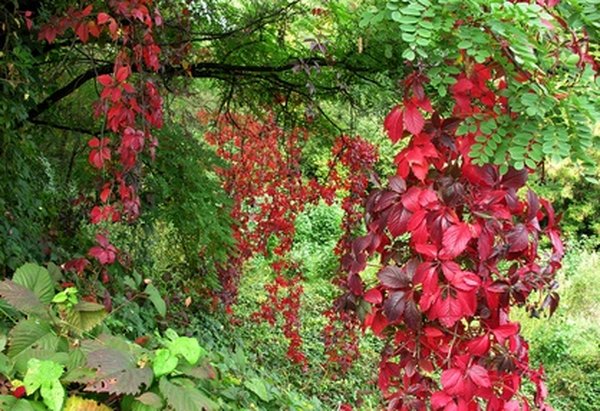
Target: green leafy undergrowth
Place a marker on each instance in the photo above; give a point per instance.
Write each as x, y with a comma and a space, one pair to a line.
53, 343
568, 344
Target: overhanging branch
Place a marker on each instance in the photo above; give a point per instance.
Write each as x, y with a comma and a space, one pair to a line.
219, 71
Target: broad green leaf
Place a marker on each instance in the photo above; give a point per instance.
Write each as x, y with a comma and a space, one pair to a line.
20, 297
40, 373
258, 387
84, 316
187, 347
150, 399
5, 364
184, 397
36, 279
31, 339
164, 362
53, 395
117, 373
10, 403
44, 375
156, 300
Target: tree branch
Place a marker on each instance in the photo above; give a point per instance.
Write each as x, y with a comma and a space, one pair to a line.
219, 71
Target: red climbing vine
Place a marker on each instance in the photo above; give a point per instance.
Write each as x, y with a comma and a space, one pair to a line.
459, 246
130, 106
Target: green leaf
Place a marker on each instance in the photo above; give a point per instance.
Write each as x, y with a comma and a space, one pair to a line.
184, 397
20, 297
187, 347
151, 400
84, 316
36, 279
258, 387
408, 54
5, 364
164, 362
31, 339
45, 375
156, 300
40, 373
117, 373
53, 395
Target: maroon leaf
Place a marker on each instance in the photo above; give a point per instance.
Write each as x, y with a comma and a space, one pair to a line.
412, 315
518, 238
514, 178
393, 307
394, 277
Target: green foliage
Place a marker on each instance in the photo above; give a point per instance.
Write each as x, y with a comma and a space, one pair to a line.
318, 229
44, 375
576, 198
556, 115
265, 347
64, 347
568, 343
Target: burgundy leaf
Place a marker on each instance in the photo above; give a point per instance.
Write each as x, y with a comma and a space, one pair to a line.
394, 277
393, 307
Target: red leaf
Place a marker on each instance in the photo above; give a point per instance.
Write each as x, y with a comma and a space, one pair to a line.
479, 346
82, 32
373, 296
455, 240
105, 79
452, 381
122, 73
393, 124
479, 376
503, 332
413, 119
105, 193
440, 399
103, 18
86, 12
462, 86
